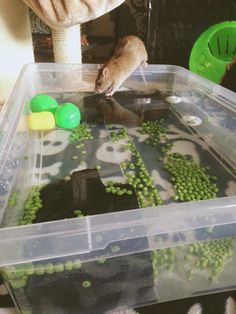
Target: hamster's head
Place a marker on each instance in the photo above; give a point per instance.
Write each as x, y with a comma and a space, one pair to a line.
104, 82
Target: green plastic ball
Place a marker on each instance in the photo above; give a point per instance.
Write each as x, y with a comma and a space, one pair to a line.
67, 116
43, 102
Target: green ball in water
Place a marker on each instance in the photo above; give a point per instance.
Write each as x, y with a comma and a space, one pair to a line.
67, 116
43, 102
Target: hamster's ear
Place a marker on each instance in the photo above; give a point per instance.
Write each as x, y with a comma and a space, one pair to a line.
127, 42
105, 71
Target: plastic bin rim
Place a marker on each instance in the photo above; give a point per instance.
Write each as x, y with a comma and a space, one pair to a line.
151, 68
188, 75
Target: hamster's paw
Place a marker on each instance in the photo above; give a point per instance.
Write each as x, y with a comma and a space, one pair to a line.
109, 94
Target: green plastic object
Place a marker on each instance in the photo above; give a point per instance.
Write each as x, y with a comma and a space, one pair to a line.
214, 50
43, 102
67, 116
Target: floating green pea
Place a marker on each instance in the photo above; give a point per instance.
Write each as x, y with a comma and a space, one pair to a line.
138, 177
74, 157
49, 268
101, 261
67, 178
78, 213
118, 135
115, 249
211, 255
190, 179
39, 269
77, 264
59, 267
12, 200
81, 133
17, 284
163, 260
68, 265
86, 284
155, 131
32, 205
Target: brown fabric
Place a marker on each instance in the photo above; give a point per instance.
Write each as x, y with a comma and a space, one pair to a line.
66, 13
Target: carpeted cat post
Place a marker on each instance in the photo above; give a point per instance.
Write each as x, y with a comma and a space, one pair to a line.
67, 45
65, 17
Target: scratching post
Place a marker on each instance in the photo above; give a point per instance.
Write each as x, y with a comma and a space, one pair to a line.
16, 48
67, 45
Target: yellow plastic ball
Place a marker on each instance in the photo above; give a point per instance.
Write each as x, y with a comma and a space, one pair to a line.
41, 121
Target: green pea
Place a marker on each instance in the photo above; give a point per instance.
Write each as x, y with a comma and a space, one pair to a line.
210, 229
113, 190
59, 267
19, 274
77, 212
74, 157
101, 261
29, 269
17, 284
68, 265
86, 284
77, 264
115, 249
49, 268
39, 269
67, 178
33, 217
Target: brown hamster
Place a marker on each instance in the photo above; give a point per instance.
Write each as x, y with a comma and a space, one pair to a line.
130, 53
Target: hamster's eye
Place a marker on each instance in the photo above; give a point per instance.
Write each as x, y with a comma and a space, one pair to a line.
98, 83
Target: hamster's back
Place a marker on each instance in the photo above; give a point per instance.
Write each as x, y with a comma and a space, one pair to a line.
131, 47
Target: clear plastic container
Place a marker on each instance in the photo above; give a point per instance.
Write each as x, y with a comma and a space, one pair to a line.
128, 250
